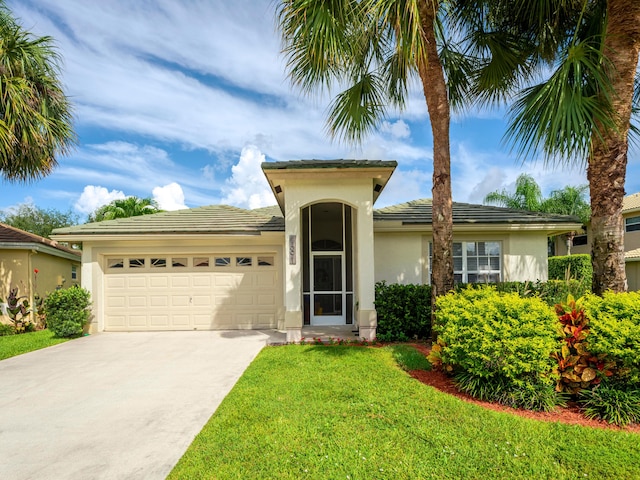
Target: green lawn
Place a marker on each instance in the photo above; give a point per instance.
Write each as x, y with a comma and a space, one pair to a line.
351, 413
13, 345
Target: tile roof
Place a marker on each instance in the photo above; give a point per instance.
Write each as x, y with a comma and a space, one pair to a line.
12, 235
419, 212
339, 163
631, 202
224, 219
632, 254
213, 219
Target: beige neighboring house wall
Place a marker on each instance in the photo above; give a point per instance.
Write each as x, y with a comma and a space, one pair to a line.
21, 253
630, 210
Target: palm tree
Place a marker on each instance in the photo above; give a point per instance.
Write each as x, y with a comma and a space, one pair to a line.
35, 114
527, 196
374, 48
124, 208
581, 112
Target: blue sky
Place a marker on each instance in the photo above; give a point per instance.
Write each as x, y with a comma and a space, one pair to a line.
182, 100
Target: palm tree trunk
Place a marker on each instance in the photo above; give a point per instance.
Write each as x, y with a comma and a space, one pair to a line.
608, 161
435, 92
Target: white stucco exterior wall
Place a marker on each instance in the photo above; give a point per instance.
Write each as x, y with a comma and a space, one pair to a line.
399, 258
358, 193
525, 257
403, 258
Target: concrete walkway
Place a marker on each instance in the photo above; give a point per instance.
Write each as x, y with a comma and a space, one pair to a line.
115, 405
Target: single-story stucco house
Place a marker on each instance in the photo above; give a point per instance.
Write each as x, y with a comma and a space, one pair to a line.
34, 264
311, 260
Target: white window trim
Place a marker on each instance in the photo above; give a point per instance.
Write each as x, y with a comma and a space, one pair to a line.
464, 272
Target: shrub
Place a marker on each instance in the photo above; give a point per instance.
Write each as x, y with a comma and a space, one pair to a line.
6, 329
571, 267
67, 311
615, 330
613, 403
404, 311
551, 291
499, 338
578, 368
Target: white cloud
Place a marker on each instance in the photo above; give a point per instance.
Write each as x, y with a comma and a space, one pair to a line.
94, 196
248, 187
397, 129
170, 197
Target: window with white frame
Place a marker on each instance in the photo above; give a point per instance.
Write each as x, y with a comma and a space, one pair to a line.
475, 262
632, 224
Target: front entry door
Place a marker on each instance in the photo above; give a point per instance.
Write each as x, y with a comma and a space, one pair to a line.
327, 289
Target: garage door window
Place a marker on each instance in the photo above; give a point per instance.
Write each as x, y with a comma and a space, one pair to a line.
158, 262
136, 263
115, 263
265, 261
223, 261
201, 262
243, 261
178, 262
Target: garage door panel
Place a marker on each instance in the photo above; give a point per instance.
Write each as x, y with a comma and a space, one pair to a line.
137, 301
201, 300
138, 320
159, 320
267, 300
201, 281
158, 301
180, 281
179, 300
116, 301
211, 296
159, 281
266, 279
178, 320
136, 281
113, 281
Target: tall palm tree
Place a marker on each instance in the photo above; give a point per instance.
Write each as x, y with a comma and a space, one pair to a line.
35, 114
373, 49
124, 208
581, 112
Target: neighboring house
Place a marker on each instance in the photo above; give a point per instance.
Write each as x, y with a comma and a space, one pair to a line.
34, 264
631, 219
311, 260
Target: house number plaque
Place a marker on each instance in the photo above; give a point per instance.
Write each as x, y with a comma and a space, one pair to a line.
292, 249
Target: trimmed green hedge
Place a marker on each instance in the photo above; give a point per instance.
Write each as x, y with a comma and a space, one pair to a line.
576, 267
404, 311
614, 321
67, 311
499, 346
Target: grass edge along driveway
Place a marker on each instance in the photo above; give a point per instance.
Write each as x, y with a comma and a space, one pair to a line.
351, 413
12, 345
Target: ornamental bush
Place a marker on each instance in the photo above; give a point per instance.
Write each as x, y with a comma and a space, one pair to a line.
576, 267
615, 330
404, 311
67, 311
485, 336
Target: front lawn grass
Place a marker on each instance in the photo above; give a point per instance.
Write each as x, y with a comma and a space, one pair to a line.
13, 345
339, 412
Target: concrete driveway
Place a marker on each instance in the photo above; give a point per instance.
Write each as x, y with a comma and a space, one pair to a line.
115, 405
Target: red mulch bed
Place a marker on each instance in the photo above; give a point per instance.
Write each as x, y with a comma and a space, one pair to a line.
570, 414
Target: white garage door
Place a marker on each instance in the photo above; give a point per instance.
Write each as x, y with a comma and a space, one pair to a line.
197, 292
